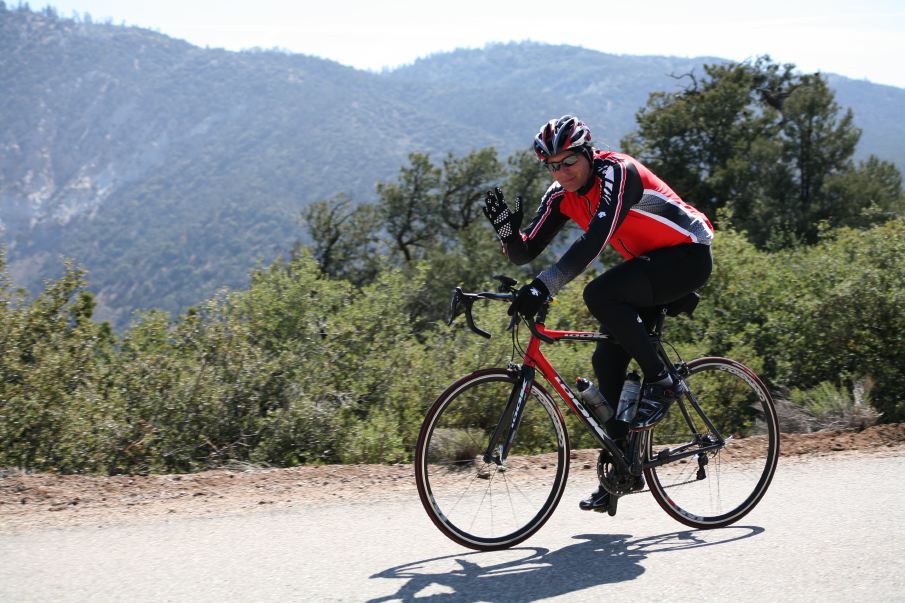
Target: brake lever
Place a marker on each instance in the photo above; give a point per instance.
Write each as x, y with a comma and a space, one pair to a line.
512, 322
532, 326
455, 306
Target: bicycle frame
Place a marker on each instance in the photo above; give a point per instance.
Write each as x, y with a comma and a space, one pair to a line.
535, 358
499, 501
534, 361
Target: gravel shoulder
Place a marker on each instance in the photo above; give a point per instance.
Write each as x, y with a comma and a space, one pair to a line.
30, 502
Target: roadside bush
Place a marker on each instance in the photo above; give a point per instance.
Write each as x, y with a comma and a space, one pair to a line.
302, 367
828, 406
828, 313
51, 355
304, 431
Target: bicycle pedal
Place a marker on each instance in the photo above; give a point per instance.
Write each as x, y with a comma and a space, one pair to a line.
611, 506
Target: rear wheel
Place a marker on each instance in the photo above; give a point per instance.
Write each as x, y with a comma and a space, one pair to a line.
715, 488
488, 505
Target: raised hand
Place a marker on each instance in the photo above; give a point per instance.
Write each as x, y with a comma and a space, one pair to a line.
505, 222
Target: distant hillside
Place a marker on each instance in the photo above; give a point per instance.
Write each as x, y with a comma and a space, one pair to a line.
169, 170
508, 87
878, 112
511, 89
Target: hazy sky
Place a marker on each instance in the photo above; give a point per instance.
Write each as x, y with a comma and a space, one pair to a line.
862, 40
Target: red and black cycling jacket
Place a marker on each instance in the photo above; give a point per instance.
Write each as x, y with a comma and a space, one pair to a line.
625, 205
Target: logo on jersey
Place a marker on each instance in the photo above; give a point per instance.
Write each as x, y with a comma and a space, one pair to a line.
609, 180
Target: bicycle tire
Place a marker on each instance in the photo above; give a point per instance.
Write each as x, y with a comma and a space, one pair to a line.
480, 505
736, 476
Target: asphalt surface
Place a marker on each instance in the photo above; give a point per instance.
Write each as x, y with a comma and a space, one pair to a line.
829, 529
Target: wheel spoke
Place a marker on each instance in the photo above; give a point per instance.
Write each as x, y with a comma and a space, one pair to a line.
737, 474
484, 505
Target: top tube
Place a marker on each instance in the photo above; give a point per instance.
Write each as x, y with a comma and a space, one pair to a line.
462, 302
543, 333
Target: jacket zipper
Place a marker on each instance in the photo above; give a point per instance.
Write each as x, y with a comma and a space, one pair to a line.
629, 251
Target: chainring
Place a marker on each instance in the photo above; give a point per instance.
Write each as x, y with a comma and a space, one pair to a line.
611, 479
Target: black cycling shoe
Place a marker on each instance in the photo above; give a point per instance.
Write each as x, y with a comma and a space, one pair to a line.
653, 406
598, 501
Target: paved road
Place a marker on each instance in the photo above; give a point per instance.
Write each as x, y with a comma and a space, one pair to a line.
828, 530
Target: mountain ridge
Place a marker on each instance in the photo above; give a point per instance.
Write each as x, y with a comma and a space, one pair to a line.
169, 170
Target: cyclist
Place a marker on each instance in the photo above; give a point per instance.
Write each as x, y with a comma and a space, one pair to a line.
664, 241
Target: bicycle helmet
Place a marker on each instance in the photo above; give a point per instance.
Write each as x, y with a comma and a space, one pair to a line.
558, 135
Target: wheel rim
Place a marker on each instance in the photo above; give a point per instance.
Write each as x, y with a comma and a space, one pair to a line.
736, 476
483, 505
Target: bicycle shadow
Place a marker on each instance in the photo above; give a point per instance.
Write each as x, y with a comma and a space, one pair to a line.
538, 573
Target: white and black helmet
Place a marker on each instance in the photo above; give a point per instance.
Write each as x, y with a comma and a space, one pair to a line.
558, 135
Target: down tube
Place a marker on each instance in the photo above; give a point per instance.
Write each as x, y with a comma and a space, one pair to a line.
537, 359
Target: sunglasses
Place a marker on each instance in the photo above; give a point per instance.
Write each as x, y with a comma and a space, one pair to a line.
555, 166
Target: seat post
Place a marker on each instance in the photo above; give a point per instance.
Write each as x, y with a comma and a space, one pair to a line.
658, 327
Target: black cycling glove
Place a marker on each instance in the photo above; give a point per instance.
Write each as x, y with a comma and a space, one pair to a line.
529, 299
506, 222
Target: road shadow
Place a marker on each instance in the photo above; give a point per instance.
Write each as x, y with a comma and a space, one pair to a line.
529, 574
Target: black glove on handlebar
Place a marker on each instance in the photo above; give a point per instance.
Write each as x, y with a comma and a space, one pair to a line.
506, 222
529, 299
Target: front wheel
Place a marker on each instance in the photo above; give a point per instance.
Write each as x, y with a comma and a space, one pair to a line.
490, 505
717, 487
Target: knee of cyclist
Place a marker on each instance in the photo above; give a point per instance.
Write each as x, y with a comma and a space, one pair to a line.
596, 299
591, 295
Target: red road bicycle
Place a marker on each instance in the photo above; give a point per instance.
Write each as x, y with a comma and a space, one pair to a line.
493, 453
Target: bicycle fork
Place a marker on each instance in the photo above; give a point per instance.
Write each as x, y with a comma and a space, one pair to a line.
504, 434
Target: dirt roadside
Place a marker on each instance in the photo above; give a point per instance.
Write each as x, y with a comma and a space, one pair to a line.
45, 501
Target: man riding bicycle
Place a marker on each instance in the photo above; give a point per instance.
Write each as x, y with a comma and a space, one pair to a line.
665, 243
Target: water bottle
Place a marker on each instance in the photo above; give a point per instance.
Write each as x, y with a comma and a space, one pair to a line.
628, 399
593, 400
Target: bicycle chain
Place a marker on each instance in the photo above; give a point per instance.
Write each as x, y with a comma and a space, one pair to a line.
685, 483
691, 481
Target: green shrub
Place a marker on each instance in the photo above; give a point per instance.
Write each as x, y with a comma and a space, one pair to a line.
829, 406
302, 367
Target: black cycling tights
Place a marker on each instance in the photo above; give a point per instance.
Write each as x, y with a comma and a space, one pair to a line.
618, 299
